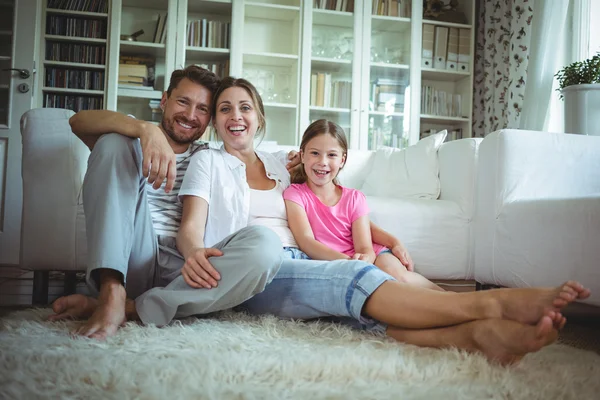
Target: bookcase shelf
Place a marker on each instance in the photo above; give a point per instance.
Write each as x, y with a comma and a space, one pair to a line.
75, 65
139, 93
434, 74
140, 48
442, 119
447, 24
271, 11
342, 19
271, 59
74, 91
76, 13
330, 109
73, 39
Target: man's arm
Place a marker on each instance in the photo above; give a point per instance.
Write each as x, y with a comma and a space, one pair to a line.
88, 125
159, 161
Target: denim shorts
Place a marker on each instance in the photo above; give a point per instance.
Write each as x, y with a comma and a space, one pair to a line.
309, 289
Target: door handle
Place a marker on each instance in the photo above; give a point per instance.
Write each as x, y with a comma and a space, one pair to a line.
23, 73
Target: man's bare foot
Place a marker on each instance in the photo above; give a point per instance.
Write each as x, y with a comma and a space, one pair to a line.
530, 304
75, 306
109, 314
506, 342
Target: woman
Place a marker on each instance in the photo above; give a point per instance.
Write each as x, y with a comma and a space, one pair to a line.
230, 188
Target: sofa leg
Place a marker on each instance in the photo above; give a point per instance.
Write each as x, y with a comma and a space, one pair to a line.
70, 285
40, 288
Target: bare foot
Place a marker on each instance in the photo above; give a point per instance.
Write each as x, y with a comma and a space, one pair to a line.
109, 314
530, 304
507, 342
75, 306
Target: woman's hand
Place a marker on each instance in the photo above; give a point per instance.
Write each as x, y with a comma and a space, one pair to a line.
294, 159
402, 254
366, 257
198, 271
159, 160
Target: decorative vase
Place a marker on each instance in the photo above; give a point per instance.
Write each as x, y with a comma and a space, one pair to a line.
582, 109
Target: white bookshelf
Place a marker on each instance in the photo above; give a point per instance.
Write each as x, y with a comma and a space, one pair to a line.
270, 42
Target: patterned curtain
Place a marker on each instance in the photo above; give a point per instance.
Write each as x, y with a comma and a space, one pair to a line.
501, 56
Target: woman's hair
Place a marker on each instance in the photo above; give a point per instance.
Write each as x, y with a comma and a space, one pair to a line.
317, 128
230, 82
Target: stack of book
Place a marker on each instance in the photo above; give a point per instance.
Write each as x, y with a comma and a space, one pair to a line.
205, 33
388, 95
327, 93
136, 72
160, 31
334, 5
392, 8
155, 110
439, 102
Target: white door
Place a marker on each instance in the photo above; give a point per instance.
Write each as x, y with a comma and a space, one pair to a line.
17, 45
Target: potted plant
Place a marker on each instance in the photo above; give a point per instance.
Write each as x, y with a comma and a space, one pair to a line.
579, 86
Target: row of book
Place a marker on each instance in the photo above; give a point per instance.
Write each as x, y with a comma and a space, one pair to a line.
160, 30
218, 68
446, 48
99, 6
327, 93
77, 53
68, 26
388, 94
334, 5
441, 103
390, 136
205, 33
74, 79
392, 8
75, 103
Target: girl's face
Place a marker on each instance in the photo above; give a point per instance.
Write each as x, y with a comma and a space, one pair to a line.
323, 157
236, 118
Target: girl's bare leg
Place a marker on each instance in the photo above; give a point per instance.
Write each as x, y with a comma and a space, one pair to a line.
390, 264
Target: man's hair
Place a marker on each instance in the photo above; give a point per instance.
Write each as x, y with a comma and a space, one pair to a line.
196, 74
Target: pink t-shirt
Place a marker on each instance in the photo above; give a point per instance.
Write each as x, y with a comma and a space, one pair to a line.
332, 226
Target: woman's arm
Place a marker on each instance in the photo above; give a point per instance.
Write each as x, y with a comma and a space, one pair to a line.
197, 270
361, 236
303, 233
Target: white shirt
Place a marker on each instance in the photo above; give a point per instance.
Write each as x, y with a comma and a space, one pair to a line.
220, 179
267, 208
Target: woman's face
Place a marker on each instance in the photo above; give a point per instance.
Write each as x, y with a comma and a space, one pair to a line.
236, 118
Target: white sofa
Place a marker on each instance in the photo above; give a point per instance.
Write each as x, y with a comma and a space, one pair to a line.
516, 209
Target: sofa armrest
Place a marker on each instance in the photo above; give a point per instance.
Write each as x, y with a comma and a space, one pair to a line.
53, 166
537, 210
458, 166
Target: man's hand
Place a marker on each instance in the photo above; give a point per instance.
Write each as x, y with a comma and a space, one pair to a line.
294, 158
198, 271
366, 257
402, 254
159, 158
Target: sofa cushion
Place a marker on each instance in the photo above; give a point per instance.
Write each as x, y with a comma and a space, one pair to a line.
435, 232
412, 172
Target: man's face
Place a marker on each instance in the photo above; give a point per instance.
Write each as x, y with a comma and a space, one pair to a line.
186, 113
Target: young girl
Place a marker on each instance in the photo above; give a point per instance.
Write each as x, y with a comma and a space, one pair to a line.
330, 221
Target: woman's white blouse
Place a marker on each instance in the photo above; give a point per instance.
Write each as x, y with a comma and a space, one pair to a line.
220, 179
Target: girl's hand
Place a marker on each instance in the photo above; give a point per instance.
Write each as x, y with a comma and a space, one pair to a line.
198, 271
294, 159
402, 254
366, 257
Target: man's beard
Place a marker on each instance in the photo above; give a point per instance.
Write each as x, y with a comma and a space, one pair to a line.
168, 125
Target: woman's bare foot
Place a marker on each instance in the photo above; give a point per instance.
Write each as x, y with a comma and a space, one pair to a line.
529, 305
109, 314
75, 306
506, 342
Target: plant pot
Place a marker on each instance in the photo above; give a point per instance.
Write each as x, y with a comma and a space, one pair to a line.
582, 109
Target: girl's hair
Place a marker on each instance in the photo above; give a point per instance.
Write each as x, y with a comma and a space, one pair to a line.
230, 82
317, 128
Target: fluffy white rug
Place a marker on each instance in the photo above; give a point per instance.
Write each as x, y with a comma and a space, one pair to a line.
236, 356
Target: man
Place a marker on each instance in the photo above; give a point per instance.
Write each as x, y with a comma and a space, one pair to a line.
132, 223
